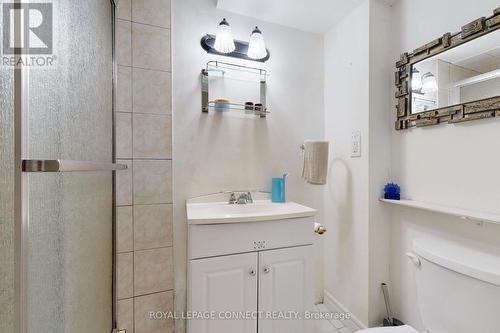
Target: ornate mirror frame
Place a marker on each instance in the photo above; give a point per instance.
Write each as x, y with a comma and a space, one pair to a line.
486, 108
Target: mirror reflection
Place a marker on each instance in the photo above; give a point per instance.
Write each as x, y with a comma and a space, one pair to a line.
466, 73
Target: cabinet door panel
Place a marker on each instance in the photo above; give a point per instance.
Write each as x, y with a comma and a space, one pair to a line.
221, 285
285, 287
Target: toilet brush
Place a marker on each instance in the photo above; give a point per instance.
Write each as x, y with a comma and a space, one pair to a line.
390, 320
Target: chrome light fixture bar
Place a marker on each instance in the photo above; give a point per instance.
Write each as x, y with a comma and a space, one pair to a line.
222, 44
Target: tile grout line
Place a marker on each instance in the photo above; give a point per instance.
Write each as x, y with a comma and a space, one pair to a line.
154, 204
154, 293
146, 69
152, 25
143, 23
155, 248
149, 114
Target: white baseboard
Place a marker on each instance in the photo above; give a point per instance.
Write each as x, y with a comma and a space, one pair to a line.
335, 306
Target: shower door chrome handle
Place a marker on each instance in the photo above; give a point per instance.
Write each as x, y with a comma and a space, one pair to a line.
68, 166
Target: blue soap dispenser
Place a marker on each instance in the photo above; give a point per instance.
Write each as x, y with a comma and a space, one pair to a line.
278, 189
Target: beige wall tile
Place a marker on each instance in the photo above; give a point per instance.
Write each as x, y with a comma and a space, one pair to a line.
124, 229
123, 135
124, 9
146, 91
154, 12
124, 184
125, 275
125, 315
152, 91
152, 226
151, 47
152, 182
163, 302
152, 136
153, 271
124, 43
124, 89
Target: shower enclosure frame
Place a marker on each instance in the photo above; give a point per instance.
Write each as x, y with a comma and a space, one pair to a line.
21, 193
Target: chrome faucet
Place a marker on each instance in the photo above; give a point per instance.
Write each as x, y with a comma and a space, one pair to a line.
232, 198
242, 199
245, 198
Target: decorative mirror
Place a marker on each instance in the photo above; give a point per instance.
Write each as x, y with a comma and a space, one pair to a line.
452, 79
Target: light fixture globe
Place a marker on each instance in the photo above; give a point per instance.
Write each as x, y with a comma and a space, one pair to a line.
416, 80
224, 42
257, 46
429, 83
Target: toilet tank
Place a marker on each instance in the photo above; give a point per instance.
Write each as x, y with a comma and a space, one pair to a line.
458, 287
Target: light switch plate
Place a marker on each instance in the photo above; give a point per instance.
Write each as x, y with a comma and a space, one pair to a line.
356, 144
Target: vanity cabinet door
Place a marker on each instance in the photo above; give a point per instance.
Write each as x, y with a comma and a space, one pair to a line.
222, 286
285, 288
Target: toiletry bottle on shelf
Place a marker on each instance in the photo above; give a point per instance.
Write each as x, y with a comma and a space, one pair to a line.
278, 189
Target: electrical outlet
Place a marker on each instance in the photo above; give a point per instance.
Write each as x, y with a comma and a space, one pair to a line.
356, 144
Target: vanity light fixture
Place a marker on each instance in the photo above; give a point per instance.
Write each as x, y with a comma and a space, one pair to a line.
416, 80
257, 46
224, 42
429, 83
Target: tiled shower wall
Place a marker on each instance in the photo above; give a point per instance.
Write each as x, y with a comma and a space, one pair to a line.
144, 143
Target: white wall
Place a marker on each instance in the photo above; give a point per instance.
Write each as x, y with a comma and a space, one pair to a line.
381, 127
214, 153
346, 196
358, 84
451, 165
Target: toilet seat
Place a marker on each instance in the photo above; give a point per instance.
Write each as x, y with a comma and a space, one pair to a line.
394, 329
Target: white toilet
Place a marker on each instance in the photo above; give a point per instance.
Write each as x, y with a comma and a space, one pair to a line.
458, 289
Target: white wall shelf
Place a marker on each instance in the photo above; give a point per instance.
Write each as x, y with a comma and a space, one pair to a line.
469, 215
478, 79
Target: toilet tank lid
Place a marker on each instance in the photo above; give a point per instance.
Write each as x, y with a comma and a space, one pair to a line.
466, 258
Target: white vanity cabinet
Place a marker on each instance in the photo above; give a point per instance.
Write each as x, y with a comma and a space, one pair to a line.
222, 284
254, 268
285, 284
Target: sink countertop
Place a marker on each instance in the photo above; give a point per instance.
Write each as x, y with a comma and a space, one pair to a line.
217, 212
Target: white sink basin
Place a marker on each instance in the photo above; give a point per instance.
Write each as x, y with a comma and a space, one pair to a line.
216, 212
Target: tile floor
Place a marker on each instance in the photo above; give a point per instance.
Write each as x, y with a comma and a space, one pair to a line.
333, 325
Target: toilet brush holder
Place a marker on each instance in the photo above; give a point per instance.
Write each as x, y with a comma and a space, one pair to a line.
390, 320
395, 322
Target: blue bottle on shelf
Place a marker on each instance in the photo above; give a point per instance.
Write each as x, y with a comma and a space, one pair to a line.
392, 191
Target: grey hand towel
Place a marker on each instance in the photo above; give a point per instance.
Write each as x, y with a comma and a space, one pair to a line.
315, 162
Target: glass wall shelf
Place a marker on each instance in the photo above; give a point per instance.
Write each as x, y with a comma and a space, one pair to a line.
227, 70
224, 70
239, 107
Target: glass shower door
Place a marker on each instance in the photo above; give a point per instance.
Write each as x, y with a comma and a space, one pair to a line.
67, 183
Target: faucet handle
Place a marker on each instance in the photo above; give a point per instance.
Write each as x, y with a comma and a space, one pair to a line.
242, 199
232, 198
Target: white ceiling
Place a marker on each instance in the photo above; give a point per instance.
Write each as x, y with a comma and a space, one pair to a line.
316, 16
